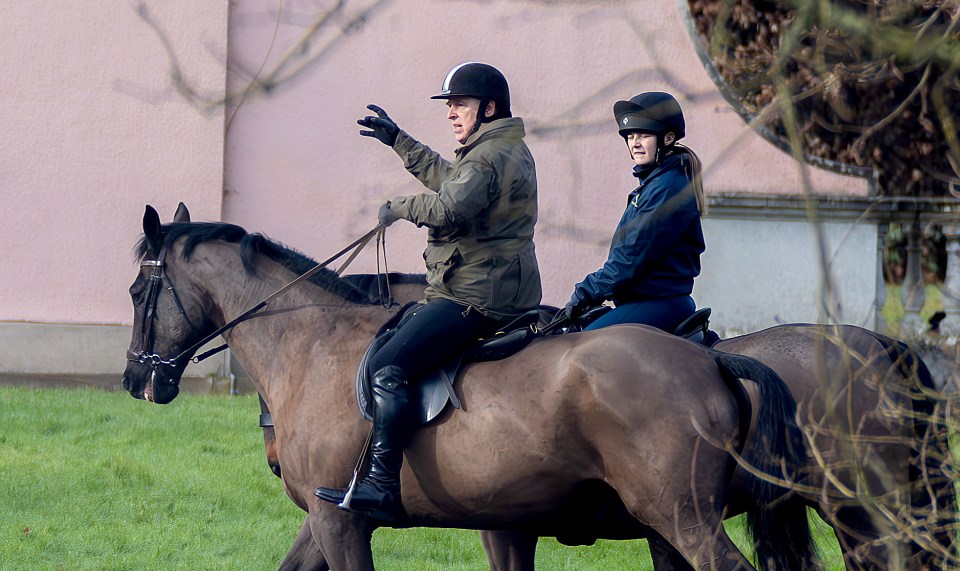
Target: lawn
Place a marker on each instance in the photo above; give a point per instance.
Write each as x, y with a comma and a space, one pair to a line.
94, 480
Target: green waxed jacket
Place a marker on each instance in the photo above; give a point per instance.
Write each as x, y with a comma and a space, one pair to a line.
481, 215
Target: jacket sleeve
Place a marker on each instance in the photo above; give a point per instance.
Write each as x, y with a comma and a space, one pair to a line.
646, 232
458, 200
422, 162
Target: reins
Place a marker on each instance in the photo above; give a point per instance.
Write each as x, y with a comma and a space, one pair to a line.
154, 360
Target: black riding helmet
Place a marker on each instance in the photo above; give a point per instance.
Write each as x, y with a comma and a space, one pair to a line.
653, 112
485, 82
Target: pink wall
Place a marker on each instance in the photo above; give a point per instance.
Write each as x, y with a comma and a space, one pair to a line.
93, 129
297, 170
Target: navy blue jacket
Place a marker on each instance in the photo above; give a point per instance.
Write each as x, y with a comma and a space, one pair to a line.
655, 251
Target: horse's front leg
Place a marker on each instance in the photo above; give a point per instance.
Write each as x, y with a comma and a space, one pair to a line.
665, 556
343, 537
509, 550
305, 554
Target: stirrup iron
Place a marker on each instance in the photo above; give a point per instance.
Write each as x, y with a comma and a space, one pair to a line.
348, 497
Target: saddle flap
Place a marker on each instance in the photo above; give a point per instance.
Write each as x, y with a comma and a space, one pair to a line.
434, 397
431, 392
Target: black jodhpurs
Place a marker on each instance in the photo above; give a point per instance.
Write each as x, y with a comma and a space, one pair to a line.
435, 333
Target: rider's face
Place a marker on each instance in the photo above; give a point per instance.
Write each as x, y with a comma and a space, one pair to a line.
462, 113
643, 147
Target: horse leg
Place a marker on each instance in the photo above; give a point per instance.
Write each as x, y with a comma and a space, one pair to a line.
665, 557
859, 554
343, 538
703, 543
304, 554
686, 508
509, 550
862, 543
689, 518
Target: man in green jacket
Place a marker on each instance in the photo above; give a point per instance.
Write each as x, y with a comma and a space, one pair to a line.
481, 263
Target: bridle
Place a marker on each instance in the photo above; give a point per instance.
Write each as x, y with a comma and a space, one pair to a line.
149, 357
146, 355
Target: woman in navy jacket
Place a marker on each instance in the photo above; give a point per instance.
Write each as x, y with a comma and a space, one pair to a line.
655, 252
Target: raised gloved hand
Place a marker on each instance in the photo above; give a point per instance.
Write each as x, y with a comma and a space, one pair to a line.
384, 129
386, 216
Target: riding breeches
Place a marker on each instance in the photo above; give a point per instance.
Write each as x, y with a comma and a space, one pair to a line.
431, 336
662, 313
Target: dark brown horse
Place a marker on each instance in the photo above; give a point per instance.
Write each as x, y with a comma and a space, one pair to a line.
565, 417
886, 426
915, 452
880, 469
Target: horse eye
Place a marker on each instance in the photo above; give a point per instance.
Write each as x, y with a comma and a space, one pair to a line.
136, 293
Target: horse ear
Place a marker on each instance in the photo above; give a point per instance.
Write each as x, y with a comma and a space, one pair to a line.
151, 228
182, 214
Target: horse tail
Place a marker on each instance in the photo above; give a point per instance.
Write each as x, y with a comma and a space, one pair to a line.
933, 492
777, 519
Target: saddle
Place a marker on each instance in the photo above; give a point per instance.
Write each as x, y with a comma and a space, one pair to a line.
434, 391
695, 328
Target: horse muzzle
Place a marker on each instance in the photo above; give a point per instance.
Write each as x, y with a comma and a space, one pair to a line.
152, 384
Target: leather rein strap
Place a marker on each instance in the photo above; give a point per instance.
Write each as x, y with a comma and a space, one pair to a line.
357, 244
154, 360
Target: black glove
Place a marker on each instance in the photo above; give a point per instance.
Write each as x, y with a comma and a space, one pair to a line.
574, 309
384, 129
386, 216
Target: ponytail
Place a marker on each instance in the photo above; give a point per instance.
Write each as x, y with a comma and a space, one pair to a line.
694, 173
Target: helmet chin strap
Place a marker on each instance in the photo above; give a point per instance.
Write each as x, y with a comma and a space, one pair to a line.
656, 157
661, 145
481, 115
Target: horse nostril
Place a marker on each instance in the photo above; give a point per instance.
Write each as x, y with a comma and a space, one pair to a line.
125, 383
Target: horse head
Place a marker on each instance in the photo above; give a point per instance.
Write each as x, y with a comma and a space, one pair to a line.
168, 317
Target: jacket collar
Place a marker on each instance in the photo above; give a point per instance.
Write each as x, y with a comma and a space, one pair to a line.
644, 173
509, 127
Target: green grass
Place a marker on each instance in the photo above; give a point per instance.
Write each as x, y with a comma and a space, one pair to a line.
97, 480
93, 480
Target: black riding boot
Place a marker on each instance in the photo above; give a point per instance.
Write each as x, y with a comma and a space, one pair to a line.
379, 489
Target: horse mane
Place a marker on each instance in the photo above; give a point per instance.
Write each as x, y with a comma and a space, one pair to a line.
196, 233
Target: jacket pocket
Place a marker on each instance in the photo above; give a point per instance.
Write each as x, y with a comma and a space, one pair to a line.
514, 285
440, 261
528, 289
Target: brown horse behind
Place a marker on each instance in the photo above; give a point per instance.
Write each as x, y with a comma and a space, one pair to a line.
880, 464
865, 367
607, 410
